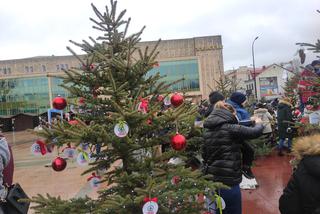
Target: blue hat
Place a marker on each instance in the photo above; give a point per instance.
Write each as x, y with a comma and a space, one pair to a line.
238, 97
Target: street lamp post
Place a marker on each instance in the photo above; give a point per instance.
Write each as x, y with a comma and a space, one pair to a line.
254, 69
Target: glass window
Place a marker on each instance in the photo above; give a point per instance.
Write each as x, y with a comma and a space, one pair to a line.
185, 70
28, 95
26, 69
4, 70
31, 68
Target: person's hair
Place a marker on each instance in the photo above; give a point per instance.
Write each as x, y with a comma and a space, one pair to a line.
223, 105
261, 105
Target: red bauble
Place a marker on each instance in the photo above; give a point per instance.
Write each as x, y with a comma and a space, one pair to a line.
73, 122
178, 142
59, 164
176, 99
59, 103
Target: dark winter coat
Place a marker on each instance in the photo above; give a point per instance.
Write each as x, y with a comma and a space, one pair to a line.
221, 150
284, 117
302, 194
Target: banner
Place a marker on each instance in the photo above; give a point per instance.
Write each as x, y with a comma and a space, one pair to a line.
268, 86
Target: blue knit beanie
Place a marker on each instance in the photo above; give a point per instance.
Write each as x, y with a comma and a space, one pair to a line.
238, 97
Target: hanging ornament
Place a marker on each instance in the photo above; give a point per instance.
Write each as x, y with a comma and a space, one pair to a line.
175, 161
81, 101
167, 101
309, 107
155, 65
149, 121
83, 159
143, 106
160, 98
175, 180
150, 206
178, 142
95, 91
84, 146
39, 148
59, 103
297, 113
176, 99
73, 122
59, 164
121, 129
219, 202
91, 157
94, 180
70, 152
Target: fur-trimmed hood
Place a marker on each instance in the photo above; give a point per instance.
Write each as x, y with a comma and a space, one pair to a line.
307, 150
284, 102
307, 146
260, 111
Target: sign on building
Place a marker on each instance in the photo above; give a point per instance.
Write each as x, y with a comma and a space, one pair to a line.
268, 86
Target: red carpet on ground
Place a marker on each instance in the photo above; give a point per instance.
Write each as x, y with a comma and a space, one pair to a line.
272, 174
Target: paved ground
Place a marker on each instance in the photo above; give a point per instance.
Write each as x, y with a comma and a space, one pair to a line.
272, 174
30, 171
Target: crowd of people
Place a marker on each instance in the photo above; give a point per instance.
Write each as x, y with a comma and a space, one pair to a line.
227, 155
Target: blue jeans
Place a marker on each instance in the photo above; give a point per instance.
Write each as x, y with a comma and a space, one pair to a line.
232, 198
281, 143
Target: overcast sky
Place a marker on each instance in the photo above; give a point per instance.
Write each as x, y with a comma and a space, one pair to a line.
41, 27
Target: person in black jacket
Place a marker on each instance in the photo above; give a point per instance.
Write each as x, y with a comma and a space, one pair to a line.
284, 117
302, 194
221, 152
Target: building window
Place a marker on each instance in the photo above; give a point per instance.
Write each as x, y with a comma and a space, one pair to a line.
4, 70
177, 70
9, 70
58, 67
31, 68
26, 69
43, 68
0, 71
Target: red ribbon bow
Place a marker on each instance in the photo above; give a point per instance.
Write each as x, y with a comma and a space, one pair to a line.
147, 199
93, 175
43, 148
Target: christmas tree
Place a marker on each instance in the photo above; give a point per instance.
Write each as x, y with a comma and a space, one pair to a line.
226, 85
142, 146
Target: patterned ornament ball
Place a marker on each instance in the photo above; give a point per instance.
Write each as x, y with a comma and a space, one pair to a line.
176, 99
178, 142
59, 164
59, 103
